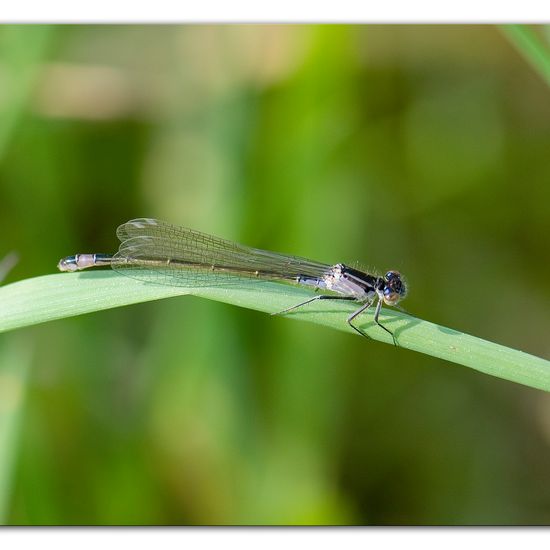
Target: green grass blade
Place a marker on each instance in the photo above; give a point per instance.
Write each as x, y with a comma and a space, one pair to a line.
531, 46
58, 296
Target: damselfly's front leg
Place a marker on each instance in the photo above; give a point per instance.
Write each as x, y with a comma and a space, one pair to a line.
376, 315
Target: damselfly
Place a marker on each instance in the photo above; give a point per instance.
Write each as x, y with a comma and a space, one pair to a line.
158, 252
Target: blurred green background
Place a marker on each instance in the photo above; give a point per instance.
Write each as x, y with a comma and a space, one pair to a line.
420, 148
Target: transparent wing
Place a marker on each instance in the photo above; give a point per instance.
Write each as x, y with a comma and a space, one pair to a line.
161, 253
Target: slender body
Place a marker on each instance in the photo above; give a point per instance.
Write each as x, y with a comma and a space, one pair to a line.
157, 252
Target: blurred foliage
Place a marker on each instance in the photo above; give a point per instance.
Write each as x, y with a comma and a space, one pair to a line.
420, 148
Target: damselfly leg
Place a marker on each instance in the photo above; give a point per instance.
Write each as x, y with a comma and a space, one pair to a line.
320, 297
376, 315
350, 319
355, 314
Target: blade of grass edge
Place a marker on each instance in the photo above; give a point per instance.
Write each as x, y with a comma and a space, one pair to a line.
533, 48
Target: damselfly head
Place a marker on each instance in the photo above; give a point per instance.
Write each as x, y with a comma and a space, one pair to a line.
395, 288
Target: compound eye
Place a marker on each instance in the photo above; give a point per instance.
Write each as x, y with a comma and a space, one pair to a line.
390, 275
391, 297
